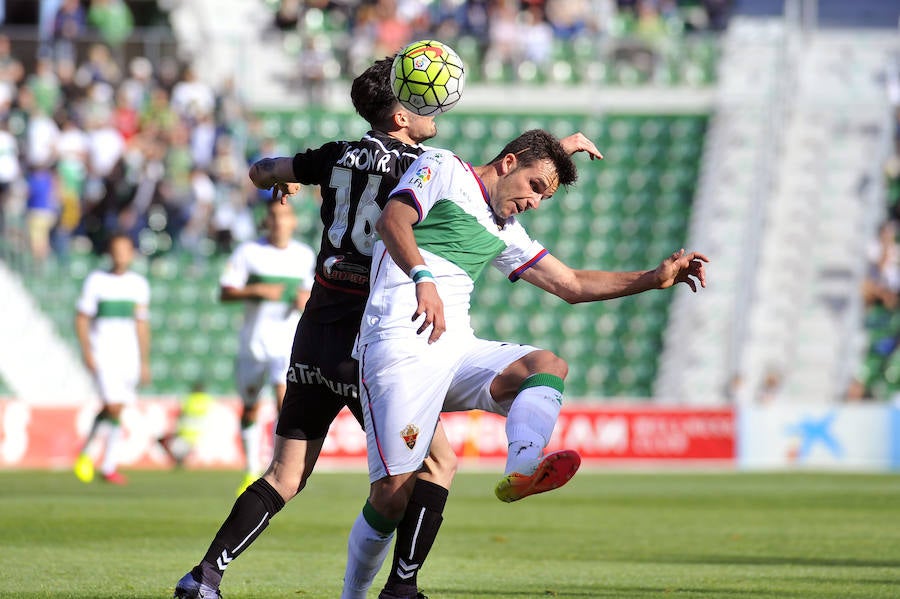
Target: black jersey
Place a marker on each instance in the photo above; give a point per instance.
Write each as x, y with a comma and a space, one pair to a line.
354, 178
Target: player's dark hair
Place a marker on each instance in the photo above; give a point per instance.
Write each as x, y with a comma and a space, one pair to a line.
372, 95
537, 144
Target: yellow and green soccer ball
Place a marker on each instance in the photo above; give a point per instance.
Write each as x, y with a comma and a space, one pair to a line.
428, 77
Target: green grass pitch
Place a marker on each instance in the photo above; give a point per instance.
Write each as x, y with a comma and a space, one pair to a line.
605, 535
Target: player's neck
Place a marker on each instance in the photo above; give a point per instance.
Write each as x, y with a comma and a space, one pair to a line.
279, 243
402, 136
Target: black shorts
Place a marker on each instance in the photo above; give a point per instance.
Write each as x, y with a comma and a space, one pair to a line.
321, 379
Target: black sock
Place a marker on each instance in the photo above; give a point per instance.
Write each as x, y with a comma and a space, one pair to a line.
248, 518
420, 525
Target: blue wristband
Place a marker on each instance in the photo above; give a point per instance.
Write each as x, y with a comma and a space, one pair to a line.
421, 274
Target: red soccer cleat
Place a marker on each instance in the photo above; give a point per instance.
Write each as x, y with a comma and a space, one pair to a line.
549, 472
115, 478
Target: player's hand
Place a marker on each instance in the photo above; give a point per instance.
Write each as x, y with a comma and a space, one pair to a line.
577, 142
282, 191
431, 305
268, 291
682, 267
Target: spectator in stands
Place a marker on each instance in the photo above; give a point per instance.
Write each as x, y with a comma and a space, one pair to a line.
10, 171
504, 51
69, 26
40, 137
882, 282
392, 31
72, 149
44, 85
138, 85
536, 35
99, 67
175, 188
11, 70
192, 97
112, 19
42, 209
114, 335
287, 17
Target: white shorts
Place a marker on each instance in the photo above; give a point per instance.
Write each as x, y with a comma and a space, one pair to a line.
407, 383
252, 375
118, 385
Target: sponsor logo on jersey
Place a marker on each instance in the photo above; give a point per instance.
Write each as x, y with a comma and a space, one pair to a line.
366, 159
337, 268
424, 174
304, 374
410, 434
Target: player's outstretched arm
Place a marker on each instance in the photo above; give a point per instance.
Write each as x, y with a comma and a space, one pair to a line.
577, 286
276, 174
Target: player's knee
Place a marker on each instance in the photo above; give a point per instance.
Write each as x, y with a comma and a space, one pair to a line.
287, 485
390, 495
441, 468
546, 362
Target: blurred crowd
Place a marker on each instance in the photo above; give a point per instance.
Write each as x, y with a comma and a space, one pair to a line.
881, 286
92, 143
519, 37
97, 145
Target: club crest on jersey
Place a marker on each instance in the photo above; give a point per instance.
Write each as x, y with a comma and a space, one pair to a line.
410, 434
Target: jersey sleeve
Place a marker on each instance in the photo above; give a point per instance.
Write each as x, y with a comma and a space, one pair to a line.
521, 253
312, 166
236, 270
88, 300
426, 180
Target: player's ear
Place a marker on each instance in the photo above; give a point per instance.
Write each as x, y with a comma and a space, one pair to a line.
508, 163
401, 119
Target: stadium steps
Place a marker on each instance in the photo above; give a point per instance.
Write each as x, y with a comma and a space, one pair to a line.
701, 346
807, 305
36, 364
233, 39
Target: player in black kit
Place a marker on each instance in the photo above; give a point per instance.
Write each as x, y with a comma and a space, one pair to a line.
354, 178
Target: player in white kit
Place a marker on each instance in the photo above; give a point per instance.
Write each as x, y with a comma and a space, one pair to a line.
445, 222
272, 276
113, 330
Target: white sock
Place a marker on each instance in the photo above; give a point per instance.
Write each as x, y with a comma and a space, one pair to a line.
530, 423
251, 437
366, 550
111, 454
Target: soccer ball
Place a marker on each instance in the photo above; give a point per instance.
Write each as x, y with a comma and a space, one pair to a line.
428, 77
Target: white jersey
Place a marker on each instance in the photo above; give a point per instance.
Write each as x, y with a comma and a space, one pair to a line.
458, 236
114, 303
269, 326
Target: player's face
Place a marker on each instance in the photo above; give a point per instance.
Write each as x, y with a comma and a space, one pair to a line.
524, 188
420, 128
121, 250
280, 222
